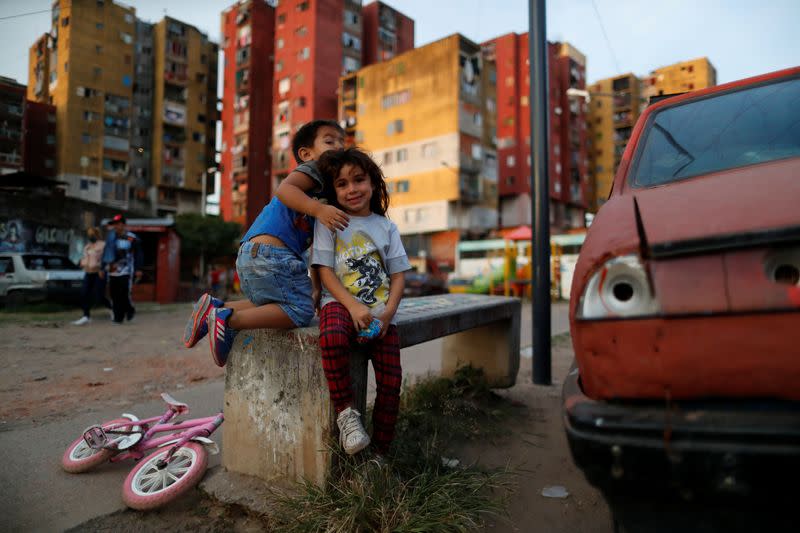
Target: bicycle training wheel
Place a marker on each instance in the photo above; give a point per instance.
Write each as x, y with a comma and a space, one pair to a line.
148, 486
80, 457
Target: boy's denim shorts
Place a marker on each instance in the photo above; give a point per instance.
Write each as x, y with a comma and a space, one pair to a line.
271, 274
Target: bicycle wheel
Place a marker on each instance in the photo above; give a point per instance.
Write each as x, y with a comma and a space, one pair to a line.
148, 486
79, 457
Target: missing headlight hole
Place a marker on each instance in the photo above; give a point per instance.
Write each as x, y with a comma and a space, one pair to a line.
623, 291
788, 274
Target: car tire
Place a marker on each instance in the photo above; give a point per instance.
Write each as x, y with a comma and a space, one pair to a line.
14, 299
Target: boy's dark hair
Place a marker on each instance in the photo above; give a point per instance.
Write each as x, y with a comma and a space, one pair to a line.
307, 134
330, 164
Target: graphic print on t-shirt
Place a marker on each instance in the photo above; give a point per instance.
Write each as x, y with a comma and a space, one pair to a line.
359, 266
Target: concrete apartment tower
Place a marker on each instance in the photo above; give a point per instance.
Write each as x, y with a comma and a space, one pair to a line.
614, 108
135, 105
680, 77
568, 156
85, 68
316, 41
386, 33
248, 30
427, 117
184, 114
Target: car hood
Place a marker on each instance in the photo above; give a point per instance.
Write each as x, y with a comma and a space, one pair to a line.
731, 209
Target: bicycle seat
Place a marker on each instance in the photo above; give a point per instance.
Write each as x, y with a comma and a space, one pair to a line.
178, 407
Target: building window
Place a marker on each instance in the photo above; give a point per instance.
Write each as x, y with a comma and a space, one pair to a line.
49, 163
201, 118
395, 99
429, 150
279, 65
402, 155
84, 183
302, 6
477, 152
98, 72
305, 53
51, 139
282, 18
523, 101
99, 25
351, 41
65, 22
402, 186
511, 161
350, 18
510, 81
98, 49
284, 85
350, 64
359, 136
279, 43
510, 181
86, 138
301, 31
387, 158
395, 126
300, 102
198, 137
128, 18
390, 187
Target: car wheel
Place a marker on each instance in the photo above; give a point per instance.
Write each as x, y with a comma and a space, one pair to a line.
15, 299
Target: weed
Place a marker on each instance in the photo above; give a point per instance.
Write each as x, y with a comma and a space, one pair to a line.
413, 491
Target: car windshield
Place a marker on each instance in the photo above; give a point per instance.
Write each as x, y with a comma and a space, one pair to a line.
48, 262
730, 130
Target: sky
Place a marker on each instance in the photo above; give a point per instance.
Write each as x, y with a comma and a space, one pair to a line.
740, 38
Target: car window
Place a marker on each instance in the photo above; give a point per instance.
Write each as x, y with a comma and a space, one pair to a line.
6, 265
48, 262
730, 130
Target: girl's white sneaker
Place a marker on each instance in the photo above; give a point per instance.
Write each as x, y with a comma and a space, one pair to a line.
351, 432
81, 321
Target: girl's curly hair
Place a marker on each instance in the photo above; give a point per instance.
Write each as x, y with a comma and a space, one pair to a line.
330, 164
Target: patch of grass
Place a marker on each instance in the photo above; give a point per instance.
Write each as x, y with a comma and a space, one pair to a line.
413, 491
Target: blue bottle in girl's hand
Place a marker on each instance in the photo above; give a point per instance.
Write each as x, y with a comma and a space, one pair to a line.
374, 329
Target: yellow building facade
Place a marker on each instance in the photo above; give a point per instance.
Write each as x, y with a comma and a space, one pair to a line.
89, 78
427, 118
614, 107
88, 66
681, 77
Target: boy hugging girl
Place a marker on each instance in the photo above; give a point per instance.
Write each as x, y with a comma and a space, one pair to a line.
358, 257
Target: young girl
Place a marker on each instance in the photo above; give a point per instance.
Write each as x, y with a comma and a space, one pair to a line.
362, 272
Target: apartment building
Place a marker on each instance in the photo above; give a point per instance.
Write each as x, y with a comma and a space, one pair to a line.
84, 67
386, 33
680, 77
184, 114
12, 107
567, 156
427, 117
248, 30
125, 92
316, 41
614, 107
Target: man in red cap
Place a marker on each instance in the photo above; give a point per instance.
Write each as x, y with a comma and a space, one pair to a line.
122, 260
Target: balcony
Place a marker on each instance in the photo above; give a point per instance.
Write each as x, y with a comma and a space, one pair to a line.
177, 78
11, 158
174, 135
14, 110
10, 133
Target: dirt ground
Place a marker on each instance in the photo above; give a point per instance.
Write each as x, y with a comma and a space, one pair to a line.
52, 368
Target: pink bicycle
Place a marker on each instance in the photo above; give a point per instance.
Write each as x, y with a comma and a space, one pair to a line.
163, 475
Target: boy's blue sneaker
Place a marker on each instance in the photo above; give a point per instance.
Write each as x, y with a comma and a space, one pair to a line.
221, 335
196, 328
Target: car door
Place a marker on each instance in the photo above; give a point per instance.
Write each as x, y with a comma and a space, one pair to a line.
6, 273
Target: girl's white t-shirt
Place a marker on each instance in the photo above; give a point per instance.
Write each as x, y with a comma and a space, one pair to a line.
364, 256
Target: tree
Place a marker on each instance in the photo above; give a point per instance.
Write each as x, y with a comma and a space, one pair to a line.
209, 235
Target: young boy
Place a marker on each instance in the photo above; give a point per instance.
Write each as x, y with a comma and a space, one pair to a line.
271, 266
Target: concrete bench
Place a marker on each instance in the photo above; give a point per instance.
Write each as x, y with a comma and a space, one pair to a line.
278, 415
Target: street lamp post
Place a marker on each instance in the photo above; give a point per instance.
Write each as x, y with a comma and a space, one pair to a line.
540, 191
203, 187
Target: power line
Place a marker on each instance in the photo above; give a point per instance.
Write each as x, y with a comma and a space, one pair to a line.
608, 41
25, 14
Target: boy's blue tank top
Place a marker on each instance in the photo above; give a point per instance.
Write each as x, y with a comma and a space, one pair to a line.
293, 228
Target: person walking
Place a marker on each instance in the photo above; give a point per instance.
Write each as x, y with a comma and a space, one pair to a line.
94, 283
122, 259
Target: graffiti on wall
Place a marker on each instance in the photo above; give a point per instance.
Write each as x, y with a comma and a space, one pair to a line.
17, 235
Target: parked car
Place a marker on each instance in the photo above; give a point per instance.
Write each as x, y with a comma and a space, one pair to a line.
423, 283
686, 297
32, 277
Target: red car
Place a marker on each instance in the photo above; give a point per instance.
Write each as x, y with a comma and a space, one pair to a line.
685, 310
